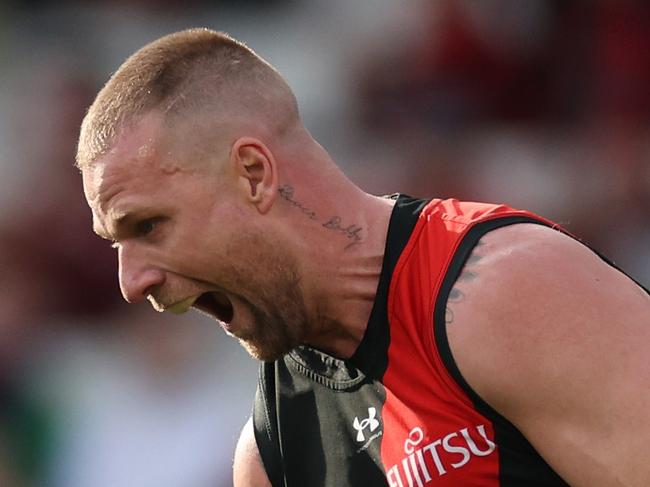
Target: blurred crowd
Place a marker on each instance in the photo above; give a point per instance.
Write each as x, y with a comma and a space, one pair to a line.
541, 104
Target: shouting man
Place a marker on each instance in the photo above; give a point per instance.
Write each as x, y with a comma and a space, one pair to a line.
405, 342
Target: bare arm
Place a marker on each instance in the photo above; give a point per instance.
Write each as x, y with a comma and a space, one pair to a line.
248, 468
557, 341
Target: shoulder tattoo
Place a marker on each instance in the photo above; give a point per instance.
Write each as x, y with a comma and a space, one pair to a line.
468, 273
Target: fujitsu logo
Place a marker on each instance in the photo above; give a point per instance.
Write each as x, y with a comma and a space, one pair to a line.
369, 422
426, 460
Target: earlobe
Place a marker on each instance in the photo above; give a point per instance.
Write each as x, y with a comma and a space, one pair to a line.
257, 173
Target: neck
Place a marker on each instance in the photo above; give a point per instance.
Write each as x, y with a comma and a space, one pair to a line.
338, 234
342, 253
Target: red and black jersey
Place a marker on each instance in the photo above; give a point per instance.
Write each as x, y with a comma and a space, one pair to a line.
398, 413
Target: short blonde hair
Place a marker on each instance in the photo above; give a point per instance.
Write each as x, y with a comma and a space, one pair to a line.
195, 69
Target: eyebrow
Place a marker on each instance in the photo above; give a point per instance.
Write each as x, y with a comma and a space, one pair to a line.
117, 223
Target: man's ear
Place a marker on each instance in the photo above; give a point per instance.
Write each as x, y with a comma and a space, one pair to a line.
257, 171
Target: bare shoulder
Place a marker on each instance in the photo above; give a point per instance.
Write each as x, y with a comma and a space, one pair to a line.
556, 340
248, 468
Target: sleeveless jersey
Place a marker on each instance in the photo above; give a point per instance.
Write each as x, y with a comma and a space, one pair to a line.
398, 413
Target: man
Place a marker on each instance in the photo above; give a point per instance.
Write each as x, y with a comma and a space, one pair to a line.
405, 342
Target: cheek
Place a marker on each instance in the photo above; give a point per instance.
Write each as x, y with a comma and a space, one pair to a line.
218, 244
199, 256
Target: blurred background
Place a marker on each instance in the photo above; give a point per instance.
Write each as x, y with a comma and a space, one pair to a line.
541, 104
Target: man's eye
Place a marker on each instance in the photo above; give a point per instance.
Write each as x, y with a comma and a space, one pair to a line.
145, 227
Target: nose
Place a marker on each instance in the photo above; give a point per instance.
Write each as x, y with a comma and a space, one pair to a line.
137, 278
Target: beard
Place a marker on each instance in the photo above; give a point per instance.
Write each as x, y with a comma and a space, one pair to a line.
265, 279
271, 338
279, 322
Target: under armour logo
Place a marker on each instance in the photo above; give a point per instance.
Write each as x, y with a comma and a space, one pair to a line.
370, 421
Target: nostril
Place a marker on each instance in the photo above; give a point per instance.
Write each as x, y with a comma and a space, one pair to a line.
137, 286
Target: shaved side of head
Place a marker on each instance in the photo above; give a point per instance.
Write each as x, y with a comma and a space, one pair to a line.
196, 73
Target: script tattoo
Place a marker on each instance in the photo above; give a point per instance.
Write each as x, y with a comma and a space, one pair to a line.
286, 193
352, 232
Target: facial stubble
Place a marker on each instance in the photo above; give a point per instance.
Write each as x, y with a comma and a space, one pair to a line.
279, 321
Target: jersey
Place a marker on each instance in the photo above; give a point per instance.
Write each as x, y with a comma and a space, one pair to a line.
398, 413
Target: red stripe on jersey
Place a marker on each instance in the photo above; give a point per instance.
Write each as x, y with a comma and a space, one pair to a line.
432, 433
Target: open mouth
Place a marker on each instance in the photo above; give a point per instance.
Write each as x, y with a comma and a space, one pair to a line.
215, 304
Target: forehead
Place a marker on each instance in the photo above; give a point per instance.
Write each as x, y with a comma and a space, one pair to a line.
131, 166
